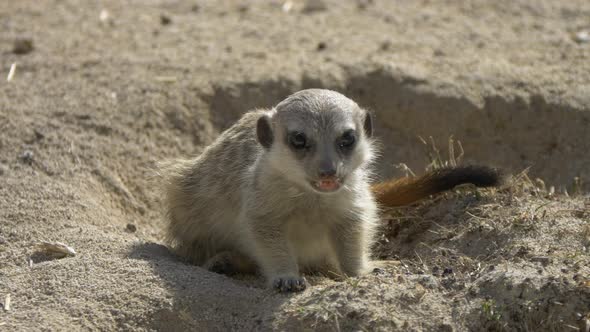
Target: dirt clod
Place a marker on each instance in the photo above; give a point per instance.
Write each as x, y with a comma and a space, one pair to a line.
364, 4
314, 6
165, 19
27, 157
22, 46
131, 228
385, 46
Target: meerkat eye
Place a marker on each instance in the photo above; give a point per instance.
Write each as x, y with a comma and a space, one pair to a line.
347, 140
297, 140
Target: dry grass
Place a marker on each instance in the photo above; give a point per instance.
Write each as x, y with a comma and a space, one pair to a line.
434, 156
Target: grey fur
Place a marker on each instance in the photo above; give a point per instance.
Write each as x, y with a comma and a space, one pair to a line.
240, 199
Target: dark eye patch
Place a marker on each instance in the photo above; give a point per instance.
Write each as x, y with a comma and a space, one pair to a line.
348, 140
297, 140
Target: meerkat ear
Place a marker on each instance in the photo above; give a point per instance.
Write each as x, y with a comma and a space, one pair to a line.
368, 125
264, 131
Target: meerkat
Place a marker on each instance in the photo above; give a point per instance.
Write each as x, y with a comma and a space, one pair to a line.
288, 190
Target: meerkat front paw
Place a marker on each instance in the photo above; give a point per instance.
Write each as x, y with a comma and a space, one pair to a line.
289, 283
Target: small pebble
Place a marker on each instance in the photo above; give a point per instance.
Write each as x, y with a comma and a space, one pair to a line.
22, 46
131, 228
582, 36
3, 169
27, 156
106, 18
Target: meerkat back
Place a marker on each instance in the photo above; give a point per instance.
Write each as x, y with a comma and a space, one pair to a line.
203, 195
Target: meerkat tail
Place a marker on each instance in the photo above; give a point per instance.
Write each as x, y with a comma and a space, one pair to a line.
403, 191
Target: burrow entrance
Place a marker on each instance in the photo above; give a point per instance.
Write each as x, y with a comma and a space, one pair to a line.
513, 133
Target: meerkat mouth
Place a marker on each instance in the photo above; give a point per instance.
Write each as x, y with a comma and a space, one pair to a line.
327, 185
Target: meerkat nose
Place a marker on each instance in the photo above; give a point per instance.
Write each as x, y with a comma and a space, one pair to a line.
327, 170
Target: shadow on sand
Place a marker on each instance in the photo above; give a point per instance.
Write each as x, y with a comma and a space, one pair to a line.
207, 301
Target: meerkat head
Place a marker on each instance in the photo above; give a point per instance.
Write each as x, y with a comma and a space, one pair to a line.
317, 138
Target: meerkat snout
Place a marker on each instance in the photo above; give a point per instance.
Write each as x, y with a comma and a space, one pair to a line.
316, 138
327, 169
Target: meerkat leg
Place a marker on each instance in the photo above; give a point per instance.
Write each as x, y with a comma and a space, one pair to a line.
351, 250
275, 259
230, 263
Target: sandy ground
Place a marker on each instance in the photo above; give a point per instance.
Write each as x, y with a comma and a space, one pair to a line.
110, 87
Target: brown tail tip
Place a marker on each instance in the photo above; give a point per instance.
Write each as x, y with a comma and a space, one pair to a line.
481, 176
408, 190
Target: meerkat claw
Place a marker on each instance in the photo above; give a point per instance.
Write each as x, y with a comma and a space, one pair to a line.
290, 284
